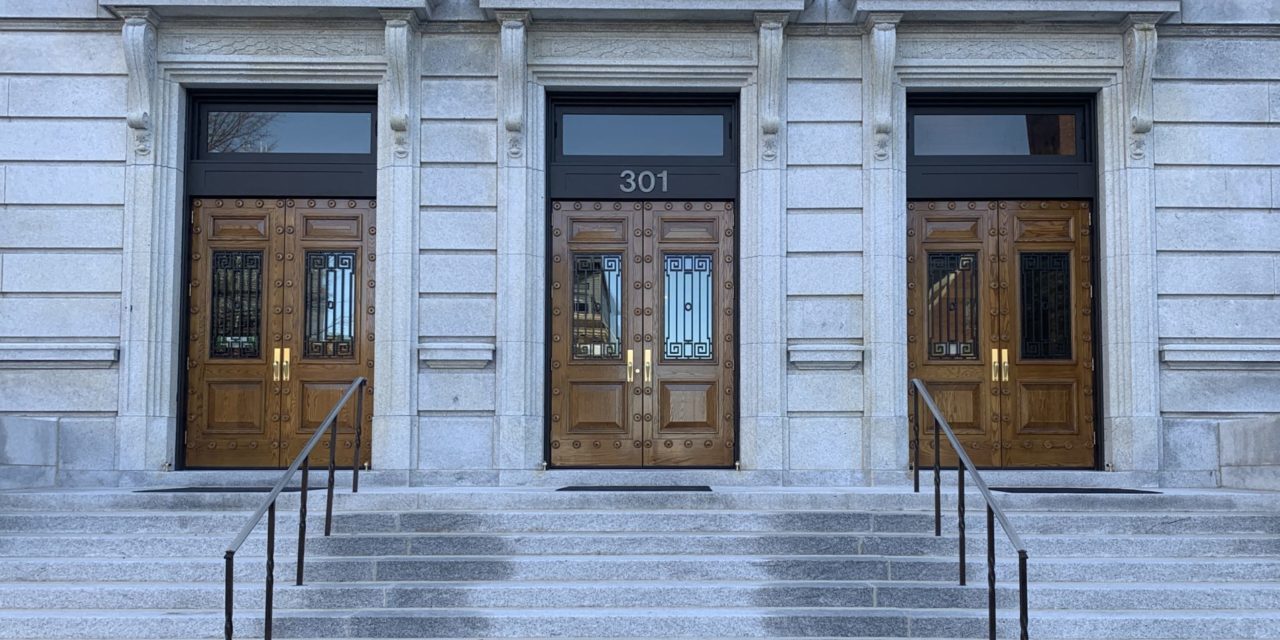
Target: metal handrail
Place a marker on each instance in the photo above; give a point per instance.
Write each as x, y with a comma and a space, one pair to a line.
330, 425
994, 512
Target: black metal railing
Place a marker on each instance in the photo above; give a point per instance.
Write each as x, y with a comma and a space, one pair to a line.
330, 425
994, 512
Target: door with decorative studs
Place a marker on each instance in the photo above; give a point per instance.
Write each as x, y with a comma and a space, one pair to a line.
642, 323
280, 323
1000, 329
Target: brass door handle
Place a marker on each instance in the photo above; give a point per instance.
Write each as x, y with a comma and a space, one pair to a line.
275, 366
631, 363
286, 365
1004, 365
648, 366
995, 365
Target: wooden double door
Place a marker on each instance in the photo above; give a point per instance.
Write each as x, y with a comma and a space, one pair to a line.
642, 317
1000, 328
280, 323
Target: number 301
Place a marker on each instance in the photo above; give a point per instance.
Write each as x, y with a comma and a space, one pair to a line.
645, 181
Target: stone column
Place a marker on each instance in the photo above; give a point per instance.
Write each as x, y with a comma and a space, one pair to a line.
884, 365
395, 398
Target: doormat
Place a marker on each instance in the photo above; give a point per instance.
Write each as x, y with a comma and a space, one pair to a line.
226, 490
1098, 490
632, 487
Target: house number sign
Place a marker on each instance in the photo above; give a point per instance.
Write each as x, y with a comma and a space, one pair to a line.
644, 181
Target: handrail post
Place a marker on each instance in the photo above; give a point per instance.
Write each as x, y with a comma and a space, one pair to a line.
271, 569
355, 461
1022, 592
937, 481
328, 503
960, 486
915, 428
302, 518
991, 572
229, 605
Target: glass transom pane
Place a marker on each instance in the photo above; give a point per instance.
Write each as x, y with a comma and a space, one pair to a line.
995, 135
951, 306
604, 134
288, 132
330, 304
235, 310
687, 300
597, 306
1046, 305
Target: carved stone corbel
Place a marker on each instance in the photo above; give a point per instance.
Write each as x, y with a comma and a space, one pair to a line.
884, 52
770, 81
399, 29
512, 77
1139, 66
139, 36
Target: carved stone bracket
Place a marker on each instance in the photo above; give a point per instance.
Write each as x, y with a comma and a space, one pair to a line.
400, 26
139, 35
883, 28
1139, 65
771, 31
512, 77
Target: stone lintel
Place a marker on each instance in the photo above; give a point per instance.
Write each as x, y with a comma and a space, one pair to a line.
1220, 356
58, 355
456, 355
271, 8
1105, 11
824, 356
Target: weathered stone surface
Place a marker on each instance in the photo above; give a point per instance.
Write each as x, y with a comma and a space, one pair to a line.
457, 316
76, 390
1217, 274
824, 188
61, 52
1250, 442
824, 443
824, 143
1218, 230
74, 96
467, 99
818, 274
1219, 188
60, 317
1230, 12
60, 273
456, 390
456, 443
1218, 145
86, 443
823, 101
460, 55
824, 232
470, 186
457, 273
456, 230
51, 9
1219, 318
28, 441
1190, 445
1182, 101
459, 141
827, 391
64, 184
1218, 58
824, 317
823, 58
1220, 391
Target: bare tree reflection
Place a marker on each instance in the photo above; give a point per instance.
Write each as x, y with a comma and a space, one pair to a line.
241, 132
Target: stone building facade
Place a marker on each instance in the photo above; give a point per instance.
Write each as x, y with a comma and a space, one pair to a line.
1180, 123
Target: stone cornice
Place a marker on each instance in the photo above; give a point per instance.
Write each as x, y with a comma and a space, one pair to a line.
58, 355
1107, 11
271, 8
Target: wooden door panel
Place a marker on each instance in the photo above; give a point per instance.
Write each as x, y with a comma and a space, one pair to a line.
232, 410
1050, 417
596, 321
328, 320
692, 347
952, 312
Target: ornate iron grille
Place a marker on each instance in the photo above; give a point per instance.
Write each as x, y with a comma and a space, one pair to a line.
687, 326
235, 310
330, 304
1046, 305
952, 306
597, 306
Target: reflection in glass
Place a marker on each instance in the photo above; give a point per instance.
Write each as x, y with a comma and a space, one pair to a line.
330, 304
687, 290
597, 306
951, 306
288, 132
1046, 305
995, 135
236, 304
601, 134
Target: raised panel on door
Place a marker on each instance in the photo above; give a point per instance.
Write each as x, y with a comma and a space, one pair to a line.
596, 321
953, 300
1049, 417
328, 323
232, 405
689, 338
